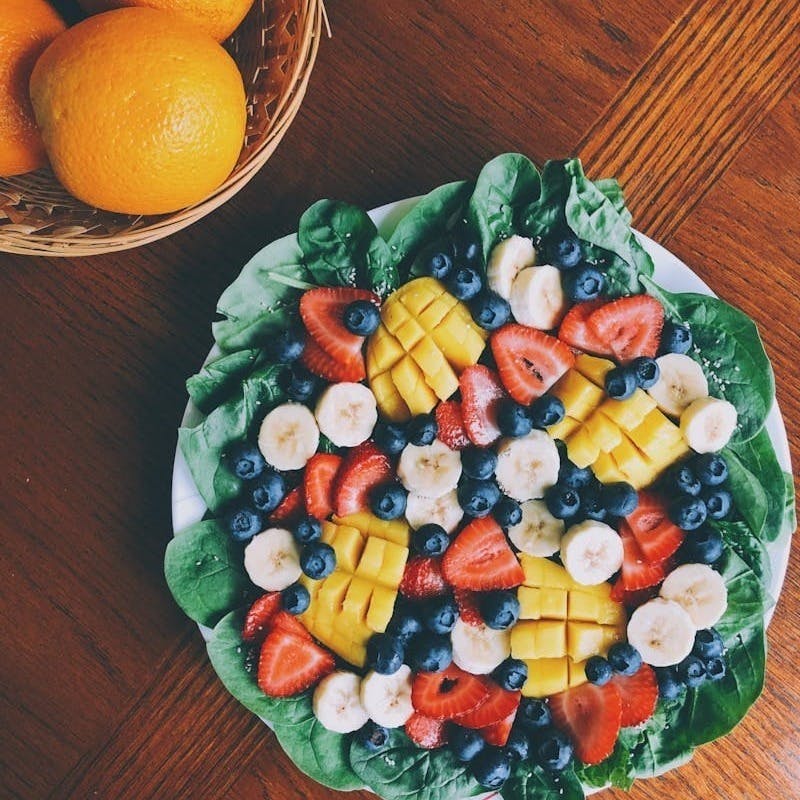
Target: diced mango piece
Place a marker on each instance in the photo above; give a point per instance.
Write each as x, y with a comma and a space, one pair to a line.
631, 412
394, 530
594, 368
553, 603
383, 350
428, 356
523, 640
584, 639
328, 532
389, 400
550, 638
393, 564
356, 601
606, 470
611, 635
612, 613
371, 559
410, 383
546, 676
409, 334
561, 430
332, 594
416, 296
655, 433
530, 606
437, 311
544, 572
584, 606
637, 469
603, 432
394, 316
582, 449
348, 543
381, 608
579, 395
444, 382
577, 672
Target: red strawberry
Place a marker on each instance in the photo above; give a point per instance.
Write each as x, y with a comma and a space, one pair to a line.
350, 369
425, 732
657, 536
480, 391
364, 467
591, 716
451, 425
576, 333
451, 694
498, 733
630, 326
423, 578
480, 559
290, 664
291, 507
634, 598
284, 621
497, 706
468, 607
318, 483
258, 621
637, 572
529, 361
639, 693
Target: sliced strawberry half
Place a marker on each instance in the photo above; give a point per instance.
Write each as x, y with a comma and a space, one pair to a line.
284, 621
657, 536
290, 664
450, 422
639, 694
497, 706
498, 733
481, 560
634, 598
350, 369
425, 732
480, 392
637, 571
450, 694
467, 603
576, 333
423, 578
258, 620
364, 467
529, 361
291, 507
630, 327
591, 716
318, 484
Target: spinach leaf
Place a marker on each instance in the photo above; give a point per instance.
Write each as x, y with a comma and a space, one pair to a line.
613, 191
739, 537
660, 745
622, 278
529, 782
747, 601
504, 186
264, 297
203, 447
730, 351
218, 378
790, 509
205, 572
617, 770
546, 213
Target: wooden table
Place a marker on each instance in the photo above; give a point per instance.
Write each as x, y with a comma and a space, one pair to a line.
106, 691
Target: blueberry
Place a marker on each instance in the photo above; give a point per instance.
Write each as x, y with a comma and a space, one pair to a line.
718, 502
507, 512
592, 502
511, 674
477, 498
362, 318
670, 687
464, 283
708, 644
489, 310
545, 411
620, 383
478, 463
245, 461
534, 714
715, 669
299, 384
675, 338
295, 598
691, 671
518, 744
681, 479
268, 491
390, 437
308, 529
562, 501
286, 345
624, 658
583, 283
465, 743
688, 512
491, 768
467, 248
439, 266
317, 560
704, 546
243, 523
500, 610
405, 624
513, 419
619, 499
711, 469
372, 737
598, 670
440, 615
646, 371
575, 477
385, 653
422, 430
388, 501
554, 751
430, 652
430, 540
564, 252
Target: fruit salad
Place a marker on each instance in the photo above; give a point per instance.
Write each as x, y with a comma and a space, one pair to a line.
488, 509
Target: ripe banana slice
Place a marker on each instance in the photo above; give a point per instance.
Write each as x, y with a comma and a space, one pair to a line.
272, 559
591, 552
432, 470
700, 591
346, 413
478, 648
288, 436
662, 632
681, 380
528, 466
337, 702
506, 260
539, 533
537, 299
708, 424
387, 698
444, 510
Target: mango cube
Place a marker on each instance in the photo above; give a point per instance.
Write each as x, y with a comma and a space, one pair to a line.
550, 638
603, 432
384, 350
582, 449
655, 433
371, 559
332, 594
523, 640
381, 608
564, 428
393, 564
578, 394
577, 673
553, 603
530, 604
593, 368
546, 676
395, 530
388, 398
630, 413
637, 469
584, 639
348, 544
606, 470
410, 383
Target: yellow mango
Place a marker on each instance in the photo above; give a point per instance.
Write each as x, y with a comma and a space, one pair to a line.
328, 532
389, 400
393, 564
383, 350
584, 639
394, 530
523, 640
578, 394
432, 316
584, 606
332, 593
577, 672
561, 430
357, 599
348, 545
550, 638
554, 603
418, 295
410, 383
394, 316
371, 559
444, 382
655, 433
594, 368
582, 449
409, 334
606, 470
381, 608
631, 412
530, 606
544, 572
546, 676
603, 432
637, 469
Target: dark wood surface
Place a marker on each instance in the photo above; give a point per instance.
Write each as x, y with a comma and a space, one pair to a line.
104, 687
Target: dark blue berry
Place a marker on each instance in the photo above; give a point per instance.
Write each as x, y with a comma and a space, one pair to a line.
682, 480
619, 499
489, 310
620, 383
583, 283
704, 546
624, 658
430, 652
465, 743
286, 345
691, 671
385, 653
243, 523
373, 737
388, 501
507, 512
477, 498
440, 266
545, 411
715, 669
268, 490
562, 502
646, 371
478, 463
513, 419
670, 687
430, 540
554, 751
317, 560
592, 502
440, 615
390, 437
718, 502
675, 338
362, 318
708, 644
422, 430
500, 610
573, 476
464, 283
491, 768
564, 252
688, 512
598, 670
300, 384
511, 674
518, 744
245, 461
295, 598
405, 624
308, 529
467, 248
711, 469
534, 714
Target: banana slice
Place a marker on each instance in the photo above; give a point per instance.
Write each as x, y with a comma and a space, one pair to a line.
539, 533
591, 552
506, 260
681, 380
387, 698
662, 632
444, 510
708, 424
700, 591
479, 649
537, 299
346, 413
288, 437
272, 559
528, 466
337, 703
432, 470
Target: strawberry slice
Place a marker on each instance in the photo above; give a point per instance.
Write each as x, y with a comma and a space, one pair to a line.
576, 333
290, 664
364, 467
497, 706
630, 327
637, 571
258, 620
467, 603
632, 599
657, 536
529, 361
425, 732
350, 369
480, 559
423, 578
291, 507
451, 425
591, 716
451, 694
318, 483
498, 733
639, 694
284, 621
480, 391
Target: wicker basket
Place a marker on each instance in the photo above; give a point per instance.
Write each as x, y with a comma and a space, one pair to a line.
275, 48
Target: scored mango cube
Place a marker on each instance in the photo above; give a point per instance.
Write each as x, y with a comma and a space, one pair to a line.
410, 383
578, 394
392, 530
550, 638
553, 603
584, 639
384, 350
356, 601
332, 593
577, 673
388, 398
630, 413
546, 676
530, 604
371, 559
603, 432
606, 470
655, 433
582, 449
381, 608
393, 565
564, 428
348, 544
637, 469
433, 315
420, 295
593, 368
523, 640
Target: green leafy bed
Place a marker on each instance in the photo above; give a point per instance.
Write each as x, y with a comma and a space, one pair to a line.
338, 244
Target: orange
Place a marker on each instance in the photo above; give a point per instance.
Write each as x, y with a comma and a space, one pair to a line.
26, 28
220, 18
140, 111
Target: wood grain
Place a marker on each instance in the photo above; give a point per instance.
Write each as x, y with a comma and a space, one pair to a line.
104, 687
